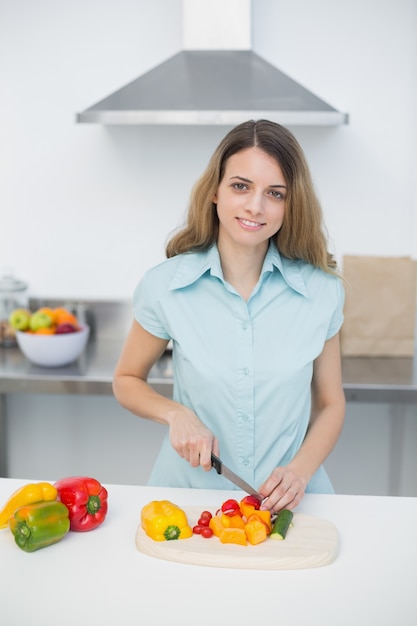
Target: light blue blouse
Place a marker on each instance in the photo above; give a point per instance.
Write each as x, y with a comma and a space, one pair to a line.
244, 368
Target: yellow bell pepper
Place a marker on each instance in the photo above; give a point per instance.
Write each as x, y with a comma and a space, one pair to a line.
163, 521
28, 494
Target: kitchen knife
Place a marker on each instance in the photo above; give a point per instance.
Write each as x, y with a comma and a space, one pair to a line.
234, 478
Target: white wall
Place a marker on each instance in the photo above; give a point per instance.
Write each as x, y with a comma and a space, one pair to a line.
361, 57
86, 209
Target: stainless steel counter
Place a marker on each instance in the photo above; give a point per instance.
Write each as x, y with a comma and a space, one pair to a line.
392, 380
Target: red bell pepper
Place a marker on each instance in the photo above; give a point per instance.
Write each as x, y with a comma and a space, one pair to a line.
86, 500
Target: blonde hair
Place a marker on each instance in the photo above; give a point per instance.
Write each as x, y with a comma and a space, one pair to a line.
301, 235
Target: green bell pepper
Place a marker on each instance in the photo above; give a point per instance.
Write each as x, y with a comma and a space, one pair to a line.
36, 526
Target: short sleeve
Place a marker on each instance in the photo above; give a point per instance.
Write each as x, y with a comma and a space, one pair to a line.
337, 318
147, 310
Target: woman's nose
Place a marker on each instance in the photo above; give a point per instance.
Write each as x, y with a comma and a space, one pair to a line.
255, 204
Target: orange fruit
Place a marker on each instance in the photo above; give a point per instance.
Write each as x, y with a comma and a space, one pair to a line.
45, 331
63, 316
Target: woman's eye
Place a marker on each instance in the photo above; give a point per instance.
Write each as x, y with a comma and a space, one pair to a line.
276, 194
239, 186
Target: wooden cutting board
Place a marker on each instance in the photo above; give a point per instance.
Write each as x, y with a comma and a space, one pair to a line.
310, 542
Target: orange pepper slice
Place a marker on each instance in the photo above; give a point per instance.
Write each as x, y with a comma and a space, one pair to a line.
233, 535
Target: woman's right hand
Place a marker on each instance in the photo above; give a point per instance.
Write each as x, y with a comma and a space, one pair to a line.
193, 441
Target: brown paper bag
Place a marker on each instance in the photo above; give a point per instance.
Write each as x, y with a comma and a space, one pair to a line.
380, 307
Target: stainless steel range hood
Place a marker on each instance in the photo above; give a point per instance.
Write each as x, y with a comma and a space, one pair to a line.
213, 86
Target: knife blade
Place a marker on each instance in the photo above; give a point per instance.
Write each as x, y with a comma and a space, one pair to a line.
222, 469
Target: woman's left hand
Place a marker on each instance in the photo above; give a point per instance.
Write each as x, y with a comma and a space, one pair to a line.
284, 489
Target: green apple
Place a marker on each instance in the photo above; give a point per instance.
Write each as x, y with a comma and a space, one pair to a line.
19, 319
39, 319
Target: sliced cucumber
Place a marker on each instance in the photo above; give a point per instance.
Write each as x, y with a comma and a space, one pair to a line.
281, 524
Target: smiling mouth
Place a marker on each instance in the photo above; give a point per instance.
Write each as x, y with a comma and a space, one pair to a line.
249, 223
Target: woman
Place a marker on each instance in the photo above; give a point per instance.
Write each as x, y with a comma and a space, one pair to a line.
252, 301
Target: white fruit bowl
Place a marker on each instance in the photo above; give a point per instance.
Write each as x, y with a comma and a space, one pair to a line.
53, 350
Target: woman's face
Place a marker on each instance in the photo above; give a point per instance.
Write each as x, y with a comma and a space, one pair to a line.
250, 199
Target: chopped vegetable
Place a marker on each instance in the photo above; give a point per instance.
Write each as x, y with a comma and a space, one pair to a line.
233, 535
216, 525
164, 521
264, 516
232, 521
253, 500
39, 525
28, 494
281, 524
255, 529
248, 505
86, 500
255, 524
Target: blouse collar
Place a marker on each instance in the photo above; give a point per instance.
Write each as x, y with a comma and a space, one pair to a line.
194, 265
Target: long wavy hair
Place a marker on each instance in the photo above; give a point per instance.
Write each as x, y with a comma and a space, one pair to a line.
302, 234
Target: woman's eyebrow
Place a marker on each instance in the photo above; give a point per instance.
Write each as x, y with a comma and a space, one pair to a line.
248, 180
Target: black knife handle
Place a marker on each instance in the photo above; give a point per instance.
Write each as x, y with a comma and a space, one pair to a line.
216, 463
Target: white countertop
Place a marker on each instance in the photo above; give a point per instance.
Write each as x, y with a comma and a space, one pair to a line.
100, 578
